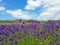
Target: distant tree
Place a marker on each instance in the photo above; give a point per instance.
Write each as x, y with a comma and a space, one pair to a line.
49, 20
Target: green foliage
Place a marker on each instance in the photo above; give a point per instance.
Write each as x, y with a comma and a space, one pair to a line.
29, 21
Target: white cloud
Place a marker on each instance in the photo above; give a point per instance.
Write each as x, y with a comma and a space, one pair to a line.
50, 10
20, 14
50, 13
31, 4
2, 8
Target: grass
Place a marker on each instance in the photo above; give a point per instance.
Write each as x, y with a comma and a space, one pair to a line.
31, 40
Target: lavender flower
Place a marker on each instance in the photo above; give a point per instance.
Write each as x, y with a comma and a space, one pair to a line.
15, 43
11, 39
1, 39
51, 43
56, 37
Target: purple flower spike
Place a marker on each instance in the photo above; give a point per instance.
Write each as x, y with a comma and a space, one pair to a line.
1, 39
44, 38
23, 22
49, 30
36, 35
56, 36
57, 27
15, 43
2, 27
22, 26
41, 33
16, 30
7, 33
11, 39
51, 43
1, 33
18, 37
13, 32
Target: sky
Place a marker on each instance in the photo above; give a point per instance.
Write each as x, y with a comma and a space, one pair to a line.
30, 9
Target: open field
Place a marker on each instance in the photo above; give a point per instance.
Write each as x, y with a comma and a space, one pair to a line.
29, 33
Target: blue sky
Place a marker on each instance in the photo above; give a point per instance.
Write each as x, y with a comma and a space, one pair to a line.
15, 4
11, 5
30, 9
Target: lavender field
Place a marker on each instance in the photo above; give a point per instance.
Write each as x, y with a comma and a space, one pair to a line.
30, 33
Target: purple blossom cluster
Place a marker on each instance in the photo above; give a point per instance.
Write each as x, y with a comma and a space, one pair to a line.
38, 30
